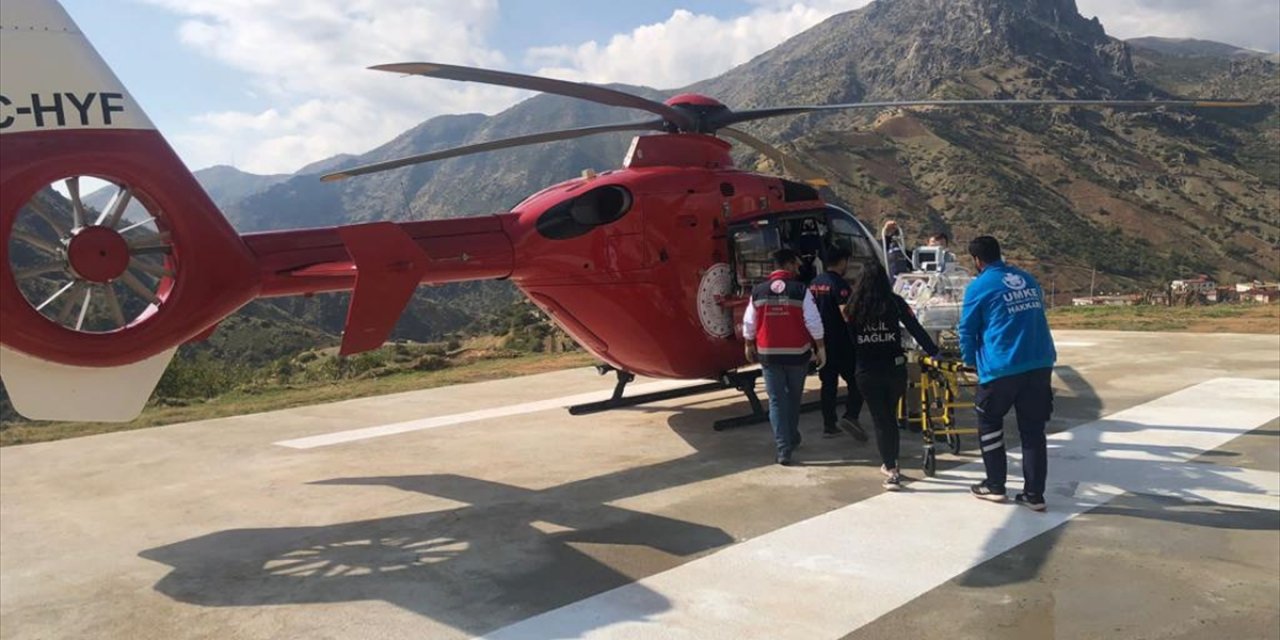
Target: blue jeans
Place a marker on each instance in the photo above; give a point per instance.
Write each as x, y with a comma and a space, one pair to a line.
785, 386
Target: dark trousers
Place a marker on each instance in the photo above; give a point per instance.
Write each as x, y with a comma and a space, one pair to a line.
839, 366
1030, 394
881, 390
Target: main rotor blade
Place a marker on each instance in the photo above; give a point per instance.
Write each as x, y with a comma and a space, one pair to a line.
492, 145
734, 117
789, 165
579, 90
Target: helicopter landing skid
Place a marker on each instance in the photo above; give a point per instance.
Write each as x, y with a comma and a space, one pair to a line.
744, 381
618, 401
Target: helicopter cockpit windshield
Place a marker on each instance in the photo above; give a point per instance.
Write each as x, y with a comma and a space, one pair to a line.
812, 234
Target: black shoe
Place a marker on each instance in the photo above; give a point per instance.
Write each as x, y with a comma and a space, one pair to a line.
830, 431
853, 428
786, 461
1032, 502
984, 492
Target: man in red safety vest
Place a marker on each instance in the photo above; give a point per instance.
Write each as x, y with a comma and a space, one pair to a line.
780, 325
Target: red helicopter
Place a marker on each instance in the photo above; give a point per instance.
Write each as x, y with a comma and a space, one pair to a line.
647, 266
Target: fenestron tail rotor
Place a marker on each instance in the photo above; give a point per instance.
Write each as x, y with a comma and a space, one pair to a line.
692, 113
92, 274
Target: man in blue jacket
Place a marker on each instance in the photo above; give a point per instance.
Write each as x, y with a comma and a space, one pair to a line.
1004, 333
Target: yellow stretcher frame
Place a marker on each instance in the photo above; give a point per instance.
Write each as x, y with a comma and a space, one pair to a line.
944, 386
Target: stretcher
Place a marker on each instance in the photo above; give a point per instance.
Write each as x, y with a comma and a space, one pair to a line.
942, 387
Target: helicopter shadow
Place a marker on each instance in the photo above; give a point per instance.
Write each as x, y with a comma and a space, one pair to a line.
1174, 495
513, 552
508, 554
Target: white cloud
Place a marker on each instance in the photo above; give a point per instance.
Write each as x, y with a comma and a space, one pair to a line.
686, 47
309, 59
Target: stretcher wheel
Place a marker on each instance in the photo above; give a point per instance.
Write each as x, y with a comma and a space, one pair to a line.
953, 440
930, 462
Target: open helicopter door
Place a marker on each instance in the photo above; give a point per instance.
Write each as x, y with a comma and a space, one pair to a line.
847, 232
753, 241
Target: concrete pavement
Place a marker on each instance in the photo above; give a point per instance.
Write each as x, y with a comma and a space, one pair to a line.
488, 506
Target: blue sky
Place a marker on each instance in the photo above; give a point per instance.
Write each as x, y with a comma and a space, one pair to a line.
271, 85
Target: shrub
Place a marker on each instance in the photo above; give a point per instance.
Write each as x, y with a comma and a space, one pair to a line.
431, 363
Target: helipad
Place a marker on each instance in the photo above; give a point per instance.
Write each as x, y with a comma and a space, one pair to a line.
486, 510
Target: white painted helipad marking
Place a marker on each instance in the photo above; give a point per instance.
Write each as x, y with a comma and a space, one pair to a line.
311, 442
1073, 343
830, 575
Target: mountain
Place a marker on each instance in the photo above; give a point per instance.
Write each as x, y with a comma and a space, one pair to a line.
224, 185
1191, 48
227, 184
1198, 68
484, 183
1142, 194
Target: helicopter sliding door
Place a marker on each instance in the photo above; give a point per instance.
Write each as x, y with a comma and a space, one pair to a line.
850, 234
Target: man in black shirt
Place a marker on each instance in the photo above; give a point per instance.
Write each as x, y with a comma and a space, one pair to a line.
831, 293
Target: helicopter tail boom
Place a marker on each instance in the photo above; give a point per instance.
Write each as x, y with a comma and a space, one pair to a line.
381, 263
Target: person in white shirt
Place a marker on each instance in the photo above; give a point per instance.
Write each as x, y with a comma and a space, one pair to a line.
783, 328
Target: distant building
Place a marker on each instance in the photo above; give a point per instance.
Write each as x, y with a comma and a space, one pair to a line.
1107, 301
1265, 294
1201, 284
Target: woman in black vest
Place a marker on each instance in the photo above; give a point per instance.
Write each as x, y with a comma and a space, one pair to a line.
876, 318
